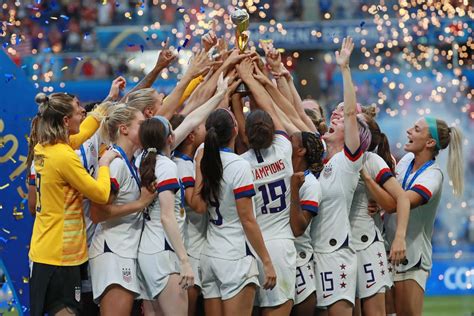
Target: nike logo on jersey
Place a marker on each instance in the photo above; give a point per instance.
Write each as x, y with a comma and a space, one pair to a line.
367, 286
326, 295
299, 292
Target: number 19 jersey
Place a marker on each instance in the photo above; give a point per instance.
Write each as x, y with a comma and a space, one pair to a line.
272, 170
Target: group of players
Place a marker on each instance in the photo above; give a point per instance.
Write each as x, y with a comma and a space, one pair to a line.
270, 211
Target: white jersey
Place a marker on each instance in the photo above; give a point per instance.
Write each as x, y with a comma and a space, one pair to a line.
331, 230
120, 235
310, 195
428, 184
89, 155
225, 235
364, 229
154, 238
196, 224
272, 170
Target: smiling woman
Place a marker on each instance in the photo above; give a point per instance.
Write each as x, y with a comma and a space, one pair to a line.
61, 181
422, 178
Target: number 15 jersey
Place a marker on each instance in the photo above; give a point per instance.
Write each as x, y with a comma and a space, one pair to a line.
272, 170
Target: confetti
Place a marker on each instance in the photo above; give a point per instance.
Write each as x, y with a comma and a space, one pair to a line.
86, 35
3, 240
64, 68
202, 10
64, 17
142, 48
311, 59
6, 231
8, 77
180, 9
362, 24
79, 58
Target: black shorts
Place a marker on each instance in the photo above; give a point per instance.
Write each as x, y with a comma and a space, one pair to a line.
53, 288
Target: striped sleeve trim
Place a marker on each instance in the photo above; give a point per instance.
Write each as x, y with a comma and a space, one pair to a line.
423, 191
31, 179
114, 185
245, 191
188, 182
282, 133
353, 156
310, 206
170, 184
383, 176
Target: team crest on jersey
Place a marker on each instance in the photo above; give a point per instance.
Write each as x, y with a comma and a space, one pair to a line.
327, 170
126, 275
77, 293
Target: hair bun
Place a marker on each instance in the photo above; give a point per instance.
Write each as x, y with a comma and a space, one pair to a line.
41, 98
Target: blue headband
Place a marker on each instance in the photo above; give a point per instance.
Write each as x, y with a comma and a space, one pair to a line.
433, 127
165, 122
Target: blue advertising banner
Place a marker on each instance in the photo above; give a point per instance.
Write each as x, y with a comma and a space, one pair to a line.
17, 106
451, 277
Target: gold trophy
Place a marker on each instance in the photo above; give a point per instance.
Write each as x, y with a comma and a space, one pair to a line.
240, 18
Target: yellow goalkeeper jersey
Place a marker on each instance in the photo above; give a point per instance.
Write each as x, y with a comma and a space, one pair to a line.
59, 236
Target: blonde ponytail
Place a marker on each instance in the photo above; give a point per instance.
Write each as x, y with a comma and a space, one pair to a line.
455, 161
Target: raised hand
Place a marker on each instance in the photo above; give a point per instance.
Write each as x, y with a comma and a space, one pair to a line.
273, 59
117, 85
208, 41
235, 57
245, 69
260, 76
167, 56
343, 56
200, 64
222, 84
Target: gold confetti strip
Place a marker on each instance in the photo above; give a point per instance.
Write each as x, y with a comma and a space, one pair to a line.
64, 68
4, 186
26, 280
12, 159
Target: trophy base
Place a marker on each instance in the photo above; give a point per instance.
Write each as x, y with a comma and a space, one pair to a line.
242, 89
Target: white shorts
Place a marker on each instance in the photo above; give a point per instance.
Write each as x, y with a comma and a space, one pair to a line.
195, 264
373, 275
154, 271
417, 274
336, 276
305, 282
109, 268
283, 255
226, 278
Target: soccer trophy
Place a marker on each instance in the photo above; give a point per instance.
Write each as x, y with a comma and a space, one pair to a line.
240, 18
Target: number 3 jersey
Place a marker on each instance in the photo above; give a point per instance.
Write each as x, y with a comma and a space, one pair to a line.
225, 234
272, 170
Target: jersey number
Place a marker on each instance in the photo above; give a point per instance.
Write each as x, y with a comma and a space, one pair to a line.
38, 192
326, 277
214, 213
368, 269
270, 191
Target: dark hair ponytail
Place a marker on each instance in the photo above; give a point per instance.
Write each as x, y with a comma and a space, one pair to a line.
314, 151
383, 150
259, 129
153, 136
219, 127
379, 141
